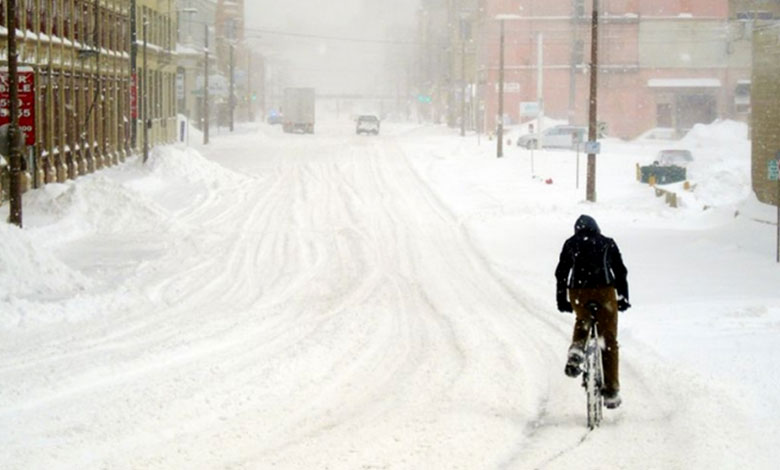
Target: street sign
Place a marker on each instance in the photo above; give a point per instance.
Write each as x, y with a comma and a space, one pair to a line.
593, 147
529, 108
773, 170
26, 81
424, 99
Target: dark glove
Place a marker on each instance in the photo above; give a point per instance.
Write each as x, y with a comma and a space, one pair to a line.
623, 304
563, 304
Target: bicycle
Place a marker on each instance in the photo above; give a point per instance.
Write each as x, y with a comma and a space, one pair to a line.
593, 371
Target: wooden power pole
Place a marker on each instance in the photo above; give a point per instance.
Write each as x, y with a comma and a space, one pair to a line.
593, 114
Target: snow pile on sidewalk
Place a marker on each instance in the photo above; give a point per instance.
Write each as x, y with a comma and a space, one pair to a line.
133, 199
721, 166
28, 270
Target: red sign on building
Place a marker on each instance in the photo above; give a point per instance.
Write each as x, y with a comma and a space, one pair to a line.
134, 97
26, 81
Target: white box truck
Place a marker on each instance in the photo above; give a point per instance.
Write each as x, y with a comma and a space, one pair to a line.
298, 110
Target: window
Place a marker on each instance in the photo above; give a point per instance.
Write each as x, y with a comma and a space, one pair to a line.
579, 8
742, 97
755, 15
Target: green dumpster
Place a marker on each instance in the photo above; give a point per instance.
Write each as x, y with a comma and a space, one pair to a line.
663, 174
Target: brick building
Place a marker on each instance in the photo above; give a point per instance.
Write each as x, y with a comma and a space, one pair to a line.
666, 63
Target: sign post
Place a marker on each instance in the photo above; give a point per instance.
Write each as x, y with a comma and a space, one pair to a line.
25, 100
773, 174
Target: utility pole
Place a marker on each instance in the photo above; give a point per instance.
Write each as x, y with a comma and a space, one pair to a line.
134, 75
231, 99
575, 59
462, 77
145, 97
540, 89
14, 154
206, 88
500, 128
593, 115
249, 103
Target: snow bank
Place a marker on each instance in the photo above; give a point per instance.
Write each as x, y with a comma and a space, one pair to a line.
721, 166
28, 270
187, 164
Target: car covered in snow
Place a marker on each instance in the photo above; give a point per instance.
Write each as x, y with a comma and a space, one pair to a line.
658, 133
367, 124
674, 157
563, 136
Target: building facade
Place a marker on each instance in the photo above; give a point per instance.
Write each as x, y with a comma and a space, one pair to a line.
765, 127
196, 31
155, 70
666, 63
79, 52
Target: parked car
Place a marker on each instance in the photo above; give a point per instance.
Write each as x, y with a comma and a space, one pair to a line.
674, 157
563, 136
367, 124
275, 118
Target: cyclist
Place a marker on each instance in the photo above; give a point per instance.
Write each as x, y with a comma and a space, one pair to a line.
592, 269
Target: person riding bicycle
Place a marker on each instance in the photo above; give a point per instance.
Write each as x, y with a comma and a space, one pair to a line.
592, 270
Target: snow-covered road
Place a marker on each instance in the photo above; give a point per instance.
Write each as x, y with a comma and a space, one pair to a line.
318, 308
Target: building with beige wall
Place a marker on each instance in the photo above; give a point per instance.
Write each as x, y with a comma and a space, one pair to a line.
765, 129
157, 81
80, 52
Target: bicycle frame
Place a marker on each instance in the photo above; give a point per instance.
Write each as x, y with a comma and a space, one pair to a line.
593, 374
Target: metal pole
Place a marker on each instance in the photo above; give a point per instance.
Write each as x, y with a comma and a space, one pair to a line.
15, 156
231, 99
249, 102
540, 89
145, 97
573, 66
134, 73
463, 81
206, 88
500, 128
592, 118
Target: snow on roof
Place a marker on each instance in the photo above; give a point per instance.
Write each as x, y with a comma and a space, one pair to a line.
683, 83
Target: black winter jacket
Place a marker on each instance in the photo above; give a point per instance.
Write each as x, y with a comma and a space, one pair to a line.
589, 260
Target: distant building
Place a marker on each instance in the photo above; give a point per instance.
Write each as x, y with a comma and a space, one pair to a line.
196, 18
671, 63
157, 83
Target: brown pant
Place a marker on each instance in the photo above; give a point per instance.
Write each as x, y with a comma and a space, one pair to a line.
607, 320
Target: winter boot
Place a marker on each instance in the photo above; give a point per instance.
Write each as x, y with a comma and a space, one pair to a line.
576, 356
611, 399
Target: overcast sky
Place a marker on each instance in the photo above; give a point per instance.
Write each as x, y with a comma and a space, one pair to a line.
328, 64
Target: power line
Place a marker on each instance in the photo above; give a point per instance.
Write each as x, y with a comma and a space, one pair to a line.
260, 31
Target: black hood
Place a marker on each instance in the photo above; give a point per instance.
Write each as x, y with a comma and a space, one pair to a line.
586, 224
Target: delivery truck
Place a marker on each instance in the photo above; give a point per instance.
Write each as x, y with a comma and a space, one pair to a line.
298, 110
